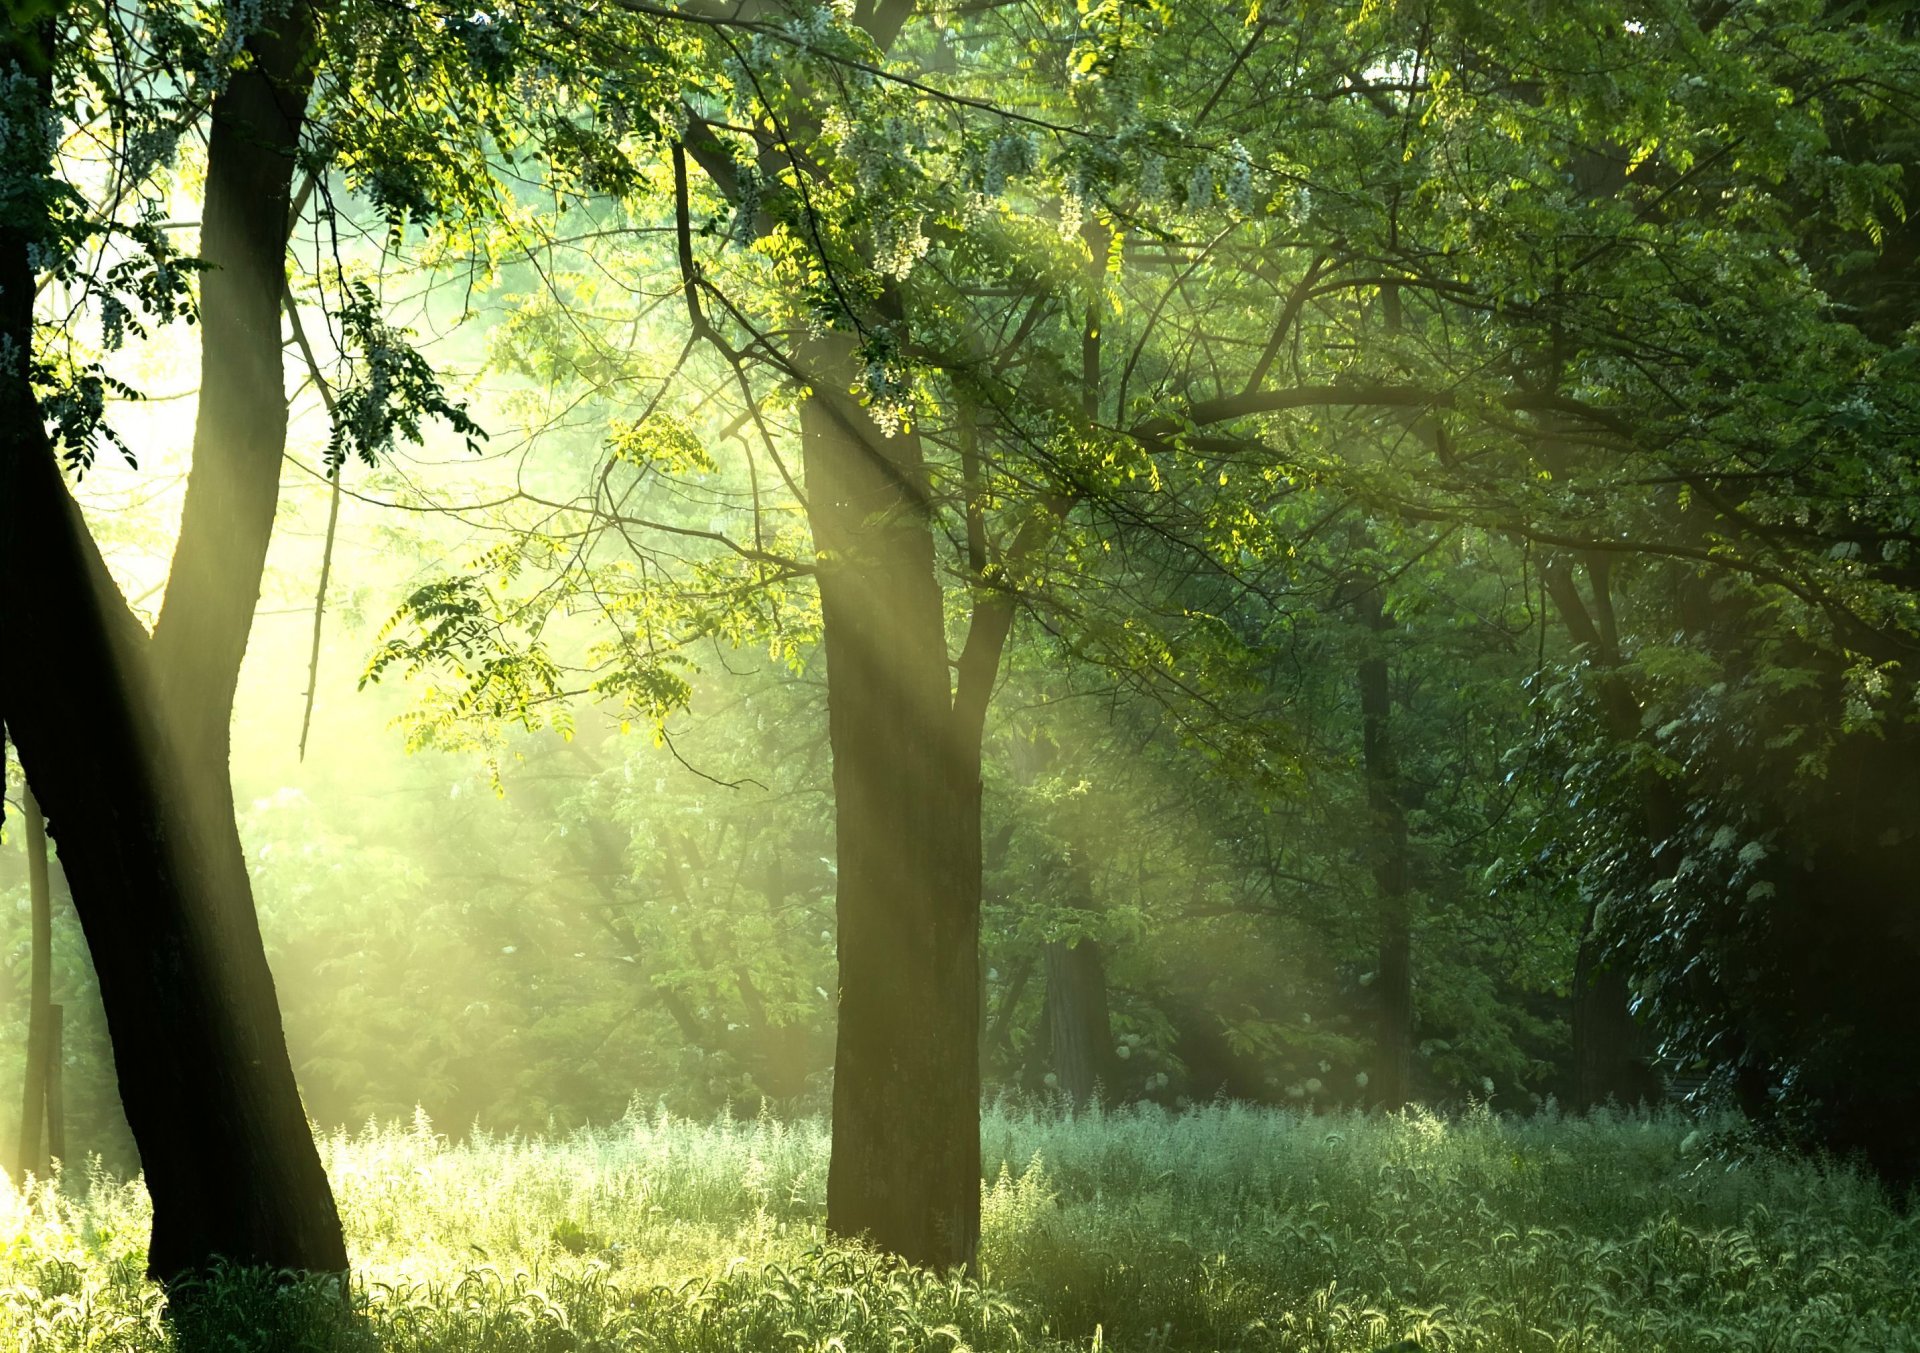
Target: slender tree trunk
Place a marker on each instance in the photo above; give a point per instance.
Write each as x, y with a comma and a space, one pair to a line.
1393, 1070
905, 1168
32, 1157
780, 1049
56, 1082
1079, 1025
125, 738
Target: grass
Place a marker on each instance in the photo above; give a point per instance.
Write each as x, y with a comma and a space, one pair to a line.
1225, 1228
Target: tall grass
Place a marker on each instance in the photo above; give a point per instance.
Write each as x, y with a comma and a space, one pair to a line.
1224, 1228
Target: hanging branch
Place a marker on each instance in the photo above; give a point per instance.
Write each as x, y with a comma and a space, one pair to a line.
333, 521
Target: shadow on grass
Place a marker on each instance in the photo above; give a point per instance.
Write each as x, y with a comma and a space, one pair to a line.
251, 1310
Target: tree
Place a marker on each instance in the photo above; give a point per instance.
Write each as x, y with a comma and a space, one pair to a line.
1389, 849
124, 738
906, 735
1598, 275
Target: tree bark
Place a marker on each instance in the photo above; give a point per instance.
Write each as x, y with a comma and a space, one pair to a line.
125, 739
905, 1167
32, 1157
1392, 872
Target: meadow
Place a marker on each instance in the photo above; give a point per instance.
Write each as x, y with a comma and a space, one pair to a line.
1223, 1228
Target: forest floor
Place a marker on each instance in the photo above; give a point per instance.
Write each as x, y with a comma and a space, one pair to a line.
1225, 1228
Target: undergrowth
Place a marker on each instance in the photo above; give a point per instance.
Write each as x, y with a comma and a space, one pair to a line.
1225, 1228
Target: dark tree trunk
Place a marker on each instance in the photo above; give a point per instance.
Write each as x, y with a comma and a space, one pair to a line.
1082, 1033
998, 1032
905, 1169
1607, 1053
1079, 1031
198, 1047
125, 738
33, 1151
1608, 1046
1080, 1027
1392, 873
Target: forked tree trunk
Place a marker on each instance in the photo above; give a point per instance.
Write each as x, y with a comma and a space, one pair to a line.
905, 1167
125, 738
198, 1048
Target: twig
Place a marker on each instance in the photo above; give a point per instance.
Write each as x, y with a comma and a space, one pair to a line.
333, 521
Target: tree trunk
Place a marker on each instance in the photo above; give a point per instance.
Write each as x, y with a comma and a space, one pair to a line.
1393, 985
998, 1032
55, 1081
125, 739
1078, 1018
32, 1158
905, 1168
1608, 1047
1079, 1023
1607, 1062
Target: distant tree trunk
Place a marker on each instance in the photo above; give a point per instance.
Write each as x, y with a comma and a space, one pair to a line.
1080, 1025
125, 739
780, 1050
998, 1032
603, 857
1082, 1032
905, 1168
1392, 873
993, 854
32, 1158
1607, 1061
55, 1078
1608, 1046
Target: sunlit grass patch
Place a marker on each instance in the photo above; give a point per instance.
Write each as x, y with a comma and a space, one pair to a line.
1225, 1228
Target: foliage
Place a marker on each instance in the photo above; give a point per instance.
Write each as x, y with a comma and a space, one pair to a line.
1581, 347
393, 390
